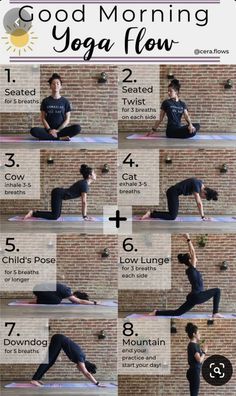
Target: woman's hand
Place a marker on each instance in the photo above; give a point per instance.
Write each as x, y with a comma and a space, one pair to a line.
150, 133
89, 218
187, 236
191, 128
53, 132
205, 348
102, 385
206, 218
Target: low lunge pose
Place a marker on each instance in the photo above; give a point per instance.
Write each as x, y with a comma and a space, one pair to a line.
55, 115
74, 352
58, 195
191, 186
175, 108
196, 356
197, 295
48, 296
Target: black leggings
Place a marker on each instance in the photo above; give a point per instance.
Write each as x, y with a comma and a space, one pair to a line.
182, 132
173, 206
57, 196
49, 297
42, 134
58, 342
193, 377
194, 299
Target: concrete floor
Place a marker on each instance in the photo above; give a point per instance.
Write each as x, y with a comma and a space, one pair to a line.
59, 312
62, 145
173, 143
57, 391
97, 227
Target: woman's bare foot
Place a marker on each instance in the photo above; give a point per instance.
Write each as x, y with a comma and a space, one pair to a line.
65, 138
217, 315
29, 214
153, 313
146, 216
36, 383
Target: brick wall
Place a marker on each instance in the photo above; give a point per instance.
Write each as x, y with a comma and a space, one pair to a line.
220, 339
84, 332
203, 164
218, 248
94, 105
202, 88
63, 173
80, 265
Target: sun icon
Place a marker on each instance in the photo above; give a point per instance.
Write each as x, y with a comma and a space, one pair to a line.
20, 38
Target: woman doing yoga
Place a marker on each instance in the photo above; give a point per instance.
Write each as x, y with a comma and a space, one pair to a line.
74, 352
78, 189
174, 108
191, 186
55, 115
45, 294
196, 356
197, 295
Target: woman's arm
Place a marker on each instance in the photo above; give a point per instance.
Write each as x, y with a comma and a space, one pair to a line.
191, 250
189, 122
77, 300
84, 204
199, 205
199, 358
88, 375
43, 120
66, 122
158, 122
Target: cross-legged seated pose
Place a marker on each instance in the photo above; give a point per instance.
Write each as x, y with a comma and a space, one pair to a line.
175, 108
197, 295
196, 356
48, 296
191, 186
78, 189
55, 115
74, 352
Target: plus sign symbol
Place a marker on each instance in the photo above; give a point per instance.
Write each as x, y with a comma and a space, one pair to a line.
117, 218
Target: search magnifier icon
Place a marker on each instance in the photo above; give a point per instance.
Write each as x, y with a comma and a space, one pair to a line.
217, 370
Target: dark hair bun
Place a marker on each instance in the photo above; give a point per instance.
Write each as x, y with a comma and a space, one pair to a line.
184, 258
91, 367
55, 76
176, 83
85, 171
189, 327
211, 195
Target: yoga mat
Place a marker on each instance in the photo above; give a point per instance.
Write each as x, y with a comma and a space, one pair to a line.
57, 385
188, 315
75, 139
220, 219
62, 218
104, 303
202, 136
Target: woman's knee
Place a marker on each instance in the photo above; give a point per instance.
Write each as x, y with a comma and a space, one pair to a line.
34, 132
76, 128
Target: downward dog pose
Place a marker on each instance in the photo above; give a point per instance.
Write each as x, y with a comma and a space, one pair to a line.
47, 296
55, 115
196, 356
174, 108
191, 186
78, 189
74, 352
197, 295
